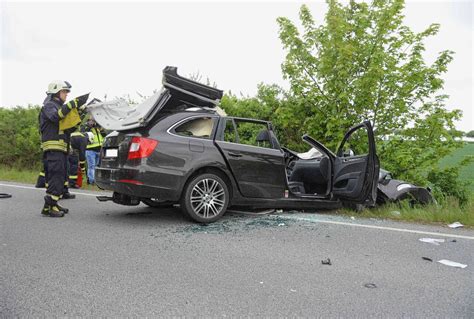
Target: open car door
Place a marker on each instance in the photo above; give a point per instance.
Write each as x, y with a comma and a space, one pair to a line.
355, 174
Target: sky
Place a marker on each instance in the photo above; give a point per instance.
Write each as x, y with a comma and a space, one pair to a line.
116, 48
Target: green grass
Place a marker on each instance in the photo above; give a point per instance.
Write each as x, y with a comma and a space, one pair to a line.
443, 213
467, 172
29, 177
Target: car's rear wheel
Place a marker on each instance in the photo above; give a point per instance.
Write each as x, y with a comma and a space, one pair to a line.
205, 198
155, 203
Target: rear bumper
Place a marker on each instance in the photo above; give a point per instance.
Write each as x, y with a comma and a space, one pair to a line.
134, 183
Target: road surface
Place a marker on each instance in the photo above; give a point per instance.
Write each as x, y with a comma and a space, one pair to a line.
104, 259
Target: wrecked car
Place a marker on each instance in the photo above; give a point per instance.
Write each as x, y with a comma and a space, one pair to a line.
178, 147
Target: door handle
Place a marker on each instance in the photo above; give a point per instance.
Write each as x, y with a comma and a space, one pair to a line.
234, 154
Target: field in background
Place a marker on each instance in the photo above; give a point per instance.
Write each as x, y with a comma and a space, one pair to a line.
467, 172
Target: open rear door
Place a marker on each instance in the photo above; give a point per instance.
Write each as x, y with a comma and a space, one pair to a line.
355, 174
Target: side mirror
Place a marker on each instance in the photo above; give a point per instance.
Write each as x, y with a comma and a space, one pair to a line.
348, 153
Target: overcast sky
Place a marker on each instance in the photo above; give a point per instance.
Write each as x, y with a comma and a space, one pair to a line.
118, 48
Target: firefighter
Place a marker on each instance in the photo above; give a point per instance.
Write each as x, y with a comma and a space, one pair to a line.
54, 144
41, 180
77, 157
93, 149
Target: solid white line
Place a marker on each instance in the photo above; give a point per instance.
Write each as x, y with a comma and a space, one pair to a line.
403, 230
42, 189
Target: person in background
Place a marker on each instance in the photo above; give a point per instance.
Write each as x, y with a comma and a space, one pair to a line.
93, 149
77, 157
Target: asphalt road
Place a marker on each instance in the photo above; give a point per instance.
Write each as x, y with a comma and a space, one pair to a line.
109, 260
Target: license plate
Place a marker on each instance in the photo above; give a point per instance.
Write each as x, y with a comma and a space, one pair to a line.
111, 152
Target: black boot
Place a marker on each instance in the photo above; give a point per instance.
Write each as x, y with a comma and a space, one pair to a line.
63, 209
53, 209
45, 210
68, 196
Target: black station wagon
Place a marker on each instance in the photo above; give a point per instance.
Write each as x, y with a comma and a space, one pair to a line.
178, 147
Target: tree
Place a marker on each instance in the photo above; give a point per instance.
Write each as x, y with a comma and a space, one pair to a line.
363, 63
470, 134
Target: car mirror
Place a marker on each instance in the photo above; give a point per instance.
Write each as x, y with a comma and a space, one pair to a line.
348, 153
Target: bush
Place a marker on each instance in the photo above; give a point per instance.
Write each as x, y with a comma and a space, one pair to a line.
20, 142
446, 183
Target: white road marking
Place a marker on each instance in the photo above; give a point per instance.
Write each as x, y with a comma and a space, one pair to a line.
42, 189
306, 219
403, 230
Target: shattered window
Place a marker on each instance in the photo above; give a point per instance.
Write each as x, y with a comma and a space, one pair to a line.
200, 127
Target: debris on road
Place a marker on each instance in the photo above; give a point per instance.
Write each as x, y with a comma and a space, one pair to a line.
281, 224
433, 241
451, 263
370, 285
426, 258
5, 195
326, 262
455, 225
352, 217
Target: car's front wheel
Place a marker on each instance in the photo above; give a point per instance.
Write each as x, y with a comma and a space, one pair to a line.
205, 198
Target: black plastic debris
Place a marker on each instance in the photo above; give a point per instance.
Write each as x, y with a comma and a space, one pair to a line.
5, 195
426, 258
370, 285
453, 241
326, 262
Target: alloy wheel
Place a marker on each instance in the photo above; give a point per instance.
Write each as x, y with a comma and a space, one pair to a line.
208, 198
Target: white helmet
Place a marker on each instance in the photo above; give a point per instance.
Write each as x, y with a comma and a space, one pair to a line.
58, 85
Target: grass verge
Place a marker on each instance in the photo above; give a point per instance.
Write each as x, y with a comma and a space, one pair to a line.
29, 177
443, 213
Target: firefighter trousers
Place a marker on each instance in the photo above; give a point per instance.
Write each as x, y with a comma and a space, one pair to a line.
73, 167
56, 163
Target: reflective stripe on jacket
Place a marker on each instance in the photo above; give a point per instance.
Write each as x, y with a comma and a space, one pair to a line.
97, 141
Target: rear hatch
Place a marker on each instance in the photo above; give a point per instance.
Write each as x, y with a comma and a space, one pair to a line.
177, 94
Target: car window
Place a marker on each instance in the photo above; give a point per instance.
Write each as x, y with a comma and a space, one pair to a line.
251, 133
229, 132
198, 127
357, 143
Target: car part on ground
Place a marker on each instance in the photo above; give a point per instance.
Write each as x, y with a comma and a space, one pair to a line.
393, 190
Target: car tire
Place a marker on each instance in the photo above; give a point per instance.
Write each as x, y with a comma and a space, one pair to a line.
157, 203
205, 198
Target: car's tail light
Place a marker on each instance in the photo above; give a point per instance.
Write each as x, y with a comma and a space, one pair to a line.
141, 147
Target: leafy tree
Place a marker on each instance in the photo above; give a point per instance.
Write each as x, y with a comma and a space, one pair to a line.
470, 133
363, 63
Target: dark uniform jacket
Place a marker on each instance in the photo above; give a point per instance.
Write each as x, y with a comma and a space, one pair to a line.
52, 139
79, 145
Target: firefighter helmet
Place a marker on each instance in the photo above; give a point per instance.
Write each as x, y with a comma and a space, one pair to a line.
56, 86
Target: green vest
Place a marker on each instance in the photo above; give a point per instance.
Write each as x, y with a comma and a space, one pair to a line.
98, 139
